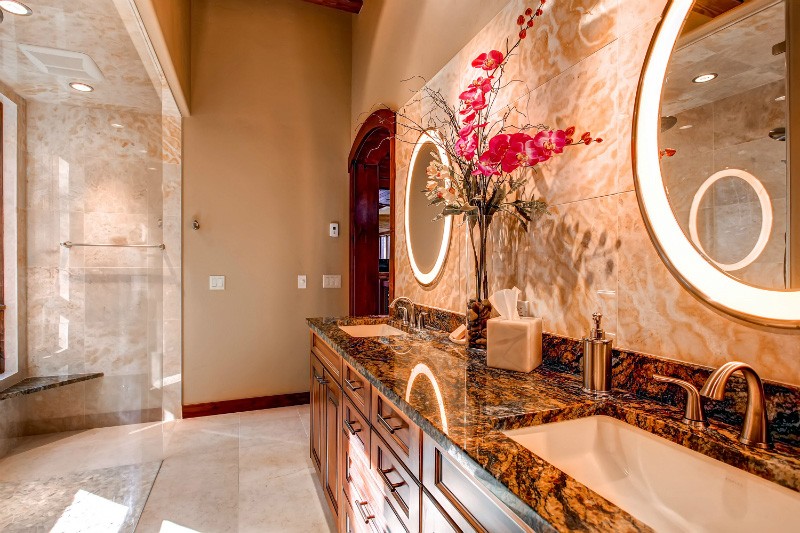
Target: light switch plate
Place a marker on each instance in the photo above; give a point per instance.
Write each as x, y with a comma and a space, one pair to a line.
301, 281
216, 283
331, 281
334, 229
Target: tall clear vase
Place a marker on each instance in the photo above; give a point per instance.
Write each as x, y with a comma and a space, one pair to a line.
478, 250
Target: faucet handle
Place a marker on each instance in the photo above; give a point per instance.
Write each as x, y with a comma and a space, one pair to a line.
422, 319
693, 416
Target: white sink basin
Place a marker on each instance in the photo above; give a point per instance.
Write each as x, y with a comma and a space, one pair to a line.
371, 330
666, 486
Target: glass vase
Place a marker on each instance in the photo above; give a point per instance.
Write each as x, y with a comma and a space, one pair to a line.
478, 250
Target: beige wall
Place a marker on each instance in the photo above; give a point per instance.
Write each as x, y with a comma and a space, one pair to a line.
582, 65
265, 154
394, 40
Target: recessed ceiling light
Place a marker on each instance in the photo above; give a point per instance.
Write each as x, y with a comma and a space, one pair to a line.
704, 78
81, 87
686, 127
16, 8
117, 125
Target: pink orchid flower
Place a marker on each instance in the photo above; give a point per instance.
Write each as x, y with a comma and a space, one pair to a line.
473, 98
485, 170
498, 146
548, 142
488, 62
522, 152
466, 146
484, 84
468, 128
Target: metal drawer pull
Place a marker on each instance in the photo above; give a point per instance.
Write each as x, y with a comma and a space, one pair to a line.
392, 486
349, 383
320, 380
367, 517
350, 427
391, 429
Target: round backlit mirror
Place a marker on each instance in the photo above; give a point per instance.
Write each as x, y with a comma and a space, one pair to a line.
712, 151
427, 234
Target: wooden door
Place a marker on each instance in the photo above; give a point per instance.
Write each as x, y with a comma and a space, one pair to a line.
331, 481
318, 387
371, 167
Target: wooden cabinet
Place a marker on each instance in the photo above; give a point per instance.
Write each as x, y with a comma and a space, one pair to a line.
326, 420
317, 398
468, 506
379, 473
398, 431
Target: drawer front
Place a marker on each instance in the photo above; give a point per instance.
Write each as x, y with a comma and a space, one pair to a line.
356, 430
351, 520
400, 433
465, 503
356, 387
398, 487
434, 519
329, 358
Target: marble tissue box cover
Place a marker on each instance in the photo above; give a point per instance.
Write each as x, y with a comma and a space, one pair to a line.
514, 344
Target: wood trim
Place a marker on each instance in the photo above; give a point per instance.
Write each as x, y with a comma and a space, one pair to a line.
245, 404
2, 255
382, 119
350, 6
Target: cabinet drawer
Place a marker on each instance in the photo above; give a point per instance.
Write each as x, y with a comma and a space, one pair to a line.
356, 430
463, 501
356, 387
400, 433
398, 487
329, 358
351, 522
434, 519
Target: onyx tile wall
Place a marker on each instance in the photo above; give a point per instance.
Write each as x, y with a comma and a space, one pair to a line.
581, 66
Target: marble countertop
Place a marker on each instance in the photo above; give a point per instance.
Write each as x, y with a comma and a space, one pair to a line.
40, 383
479, 402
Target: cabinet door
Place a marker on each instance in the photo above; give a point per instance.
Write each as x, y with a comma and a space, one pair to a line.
434, 519
333, 443
317, 414
469, 506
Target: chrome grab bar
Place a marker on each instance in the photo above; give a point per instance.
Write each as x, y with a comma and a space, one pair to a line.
70, 244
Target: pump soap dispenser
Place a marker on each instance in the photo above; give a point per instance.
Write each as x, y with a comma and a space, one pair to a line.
597, 360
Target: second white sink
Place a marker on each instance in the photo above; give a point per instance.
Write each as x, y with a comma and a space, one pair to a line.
666, 486
371, 330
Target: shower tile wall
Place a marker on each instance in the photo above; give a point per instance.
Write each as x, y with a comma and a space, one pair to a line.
94, 309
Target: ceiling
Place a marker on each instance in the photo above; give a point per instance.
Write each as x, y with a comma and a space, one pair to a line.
741, 55
351, 6
98, 28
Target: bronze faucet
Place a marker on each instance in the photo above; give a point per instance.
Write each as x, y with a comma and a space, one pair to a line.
755, 427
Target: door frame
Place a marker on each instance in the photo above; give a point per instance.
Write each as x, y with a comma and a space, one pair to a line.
382, 120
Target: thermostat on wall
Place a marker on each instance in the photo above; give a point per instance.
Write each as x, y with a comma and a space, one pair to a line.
334, 231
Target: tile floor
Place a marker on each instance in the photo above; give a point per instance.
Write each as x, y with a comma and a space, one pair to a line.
244, 472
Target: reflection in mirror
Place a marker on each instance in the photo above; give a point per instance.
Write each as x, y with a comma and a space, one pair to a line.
724, 117
427, 233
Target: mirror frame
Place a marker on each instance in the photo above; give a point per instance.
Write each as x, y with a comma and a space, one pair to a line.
766, 307
431, 277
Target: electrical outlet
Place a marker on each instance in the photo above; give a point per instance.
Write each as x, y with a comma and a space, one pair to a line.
301, 281
331, 281
216, 283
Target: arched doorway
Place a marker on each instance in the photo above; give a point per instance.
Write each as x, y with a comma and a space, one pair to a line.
371, 215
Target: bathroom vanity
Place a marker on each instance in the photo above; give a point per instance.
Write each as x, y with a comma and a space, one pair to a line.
410, 432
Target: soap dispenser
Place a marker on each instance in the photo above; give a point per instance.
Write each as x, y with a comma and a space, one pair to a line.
597, 360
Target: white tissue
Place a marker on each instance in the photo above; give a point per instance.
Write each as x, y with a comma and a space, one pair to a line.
505, 303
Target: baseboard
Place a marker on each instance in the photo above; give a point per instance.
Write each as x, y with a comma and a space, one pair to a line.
245, 404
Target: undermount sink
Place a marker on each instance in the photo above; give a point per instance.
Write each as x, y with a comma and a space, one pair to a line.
372, 330
666, 486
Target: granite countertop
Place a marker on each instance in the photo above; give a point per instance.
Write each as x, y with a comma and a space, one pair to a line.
41, 383
480, 402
